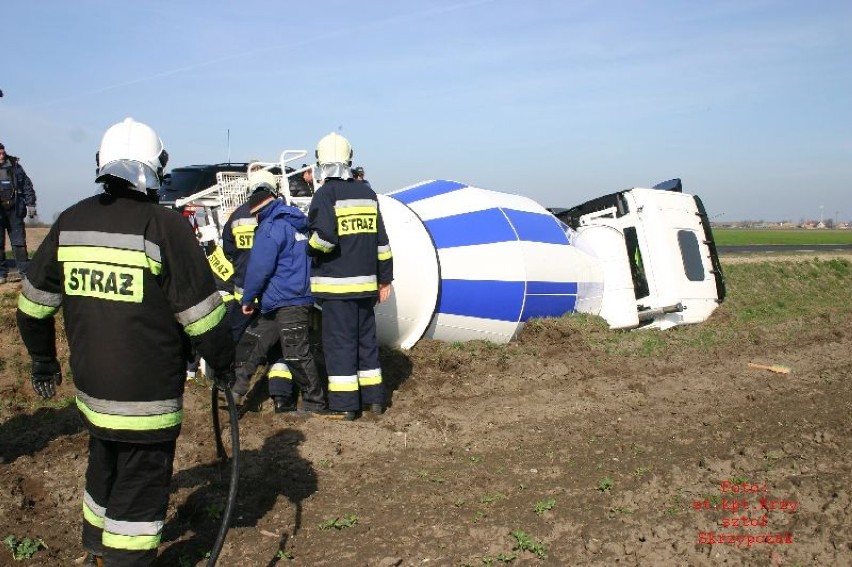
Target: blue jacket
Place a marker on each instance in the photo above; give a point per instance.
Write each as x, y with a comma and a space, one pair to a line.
278, 268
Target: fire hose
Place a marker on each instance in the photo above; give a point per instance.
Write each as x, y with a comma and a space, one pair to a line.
235, 465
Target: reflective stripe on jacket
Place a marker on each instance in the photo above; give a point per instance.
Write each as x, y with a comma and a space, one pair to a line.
135, 289
349, 244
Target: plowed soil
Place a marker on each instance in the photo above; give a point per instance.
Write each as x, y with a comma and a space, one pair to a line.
551, 450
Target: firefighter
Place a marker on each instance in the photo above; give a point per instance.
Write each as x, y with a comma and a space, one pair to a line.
352, 268
237, 241
136, 291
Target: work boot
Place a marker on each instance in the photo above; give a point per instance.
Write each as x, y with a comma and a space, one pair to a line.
336, 415
377, 409
283, 404
14, 277
93, 561
2, 279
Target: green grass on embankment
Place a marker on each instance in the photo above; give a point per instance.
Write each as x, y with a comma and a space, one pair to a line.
793, 236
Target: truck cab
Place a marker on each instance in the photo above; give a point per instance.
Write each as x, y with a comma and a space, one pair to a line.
659, 259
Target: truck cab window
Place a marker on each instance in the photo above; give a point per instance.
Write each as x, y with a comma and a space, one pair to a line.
691, 255
637, 269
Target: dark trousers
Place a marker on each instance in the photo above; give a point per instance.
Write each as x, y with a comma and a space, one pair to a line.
239, 321
289, 327
127, 494
11, 223
351, 354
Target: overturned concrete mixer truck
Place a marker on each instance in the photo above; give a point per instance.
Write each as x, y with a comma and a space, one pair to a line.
474, 264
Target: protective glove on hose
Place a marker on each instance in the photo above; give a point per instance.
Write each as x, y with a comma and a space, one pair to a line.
46, 375
224, 379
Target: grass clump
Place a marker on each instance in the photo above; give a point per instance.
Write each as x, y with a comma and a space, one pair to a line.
347, 521
544, 506
23, 548
523, 542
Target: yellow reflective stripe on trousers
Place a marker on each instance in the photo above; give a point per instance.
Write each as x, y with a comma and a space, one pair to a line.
110, 255
130, 422
372, 377
35, 310
92, 517
280, 371
343, 383
132, 543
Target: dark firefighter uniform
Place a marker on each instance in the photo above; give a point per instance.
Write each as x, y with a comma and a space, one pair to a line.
351, 257
134, 286
237, 240
223, 275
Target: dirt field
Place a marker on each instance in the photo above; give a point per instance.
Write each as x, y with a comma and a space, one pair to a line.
562, 448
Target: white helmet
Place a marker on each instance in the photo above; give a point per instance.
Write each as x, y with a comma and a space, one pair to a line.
334, 148
132, 151
263, 179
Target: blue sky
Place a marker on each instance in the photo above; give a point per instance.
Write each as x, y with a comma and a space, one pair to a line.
748, 101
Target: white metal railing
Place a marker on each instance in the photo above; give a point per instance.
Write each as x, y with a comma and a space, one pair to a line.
233, 190
216, 203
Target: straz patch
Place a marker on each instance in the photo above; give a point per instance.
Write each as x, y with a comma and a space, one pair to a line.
244, 237
103, 281
220, 264
355, 224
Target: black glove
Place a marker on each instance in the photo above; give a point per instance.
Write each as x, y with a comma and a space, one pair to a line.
224, 379
47, 374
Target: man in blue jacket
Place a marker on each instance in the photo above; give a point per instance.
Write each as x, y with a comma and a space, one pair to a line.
278, 275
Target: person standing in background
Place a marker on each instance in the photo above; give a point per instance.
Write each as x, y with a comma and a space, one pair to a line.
302, 185
358, 175
17, 201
